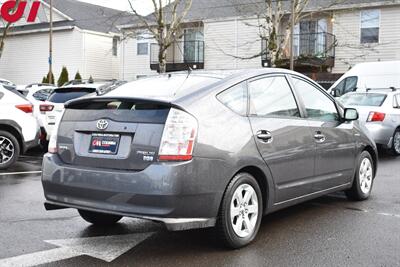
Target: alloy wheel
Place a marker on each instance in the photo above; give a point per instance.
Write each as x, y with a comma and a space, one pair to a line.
244, 210
7, 150
366, 175
396, 142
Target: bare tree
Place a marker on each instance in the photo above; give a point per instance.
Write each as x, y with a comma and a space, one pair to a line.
6, 28
273, 22
164, 24
270, 17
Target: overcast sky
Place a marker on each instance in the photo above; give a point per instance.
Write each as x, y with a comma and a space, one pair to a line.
142, 6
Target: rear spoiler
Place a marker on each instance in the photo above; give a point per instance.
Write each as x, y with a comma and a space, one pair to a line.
78, 102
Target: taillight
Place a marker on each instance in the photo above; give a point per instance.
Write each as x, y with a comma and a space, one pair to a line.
45, 108
25, 108
179, 135
376, 116
53, 144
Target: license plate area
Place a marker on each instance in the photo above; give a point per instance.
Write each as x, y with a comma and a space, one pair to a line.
104, 144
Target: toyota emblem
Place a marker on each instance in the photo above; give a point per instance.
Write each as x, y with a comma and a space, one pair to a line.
102, 124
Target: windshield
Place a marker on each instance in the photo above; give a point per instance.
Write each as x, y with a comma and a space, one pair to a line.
65, 95
375, 100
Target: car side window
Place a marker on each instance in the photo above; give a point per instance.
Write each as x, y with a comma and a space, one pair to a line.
1, 95
396, 102
318, 105
235, 98
272, 96
351, 84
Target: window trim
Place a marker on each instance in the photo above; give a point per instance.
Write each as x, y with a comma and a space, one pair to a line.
379, 26
318, 87
272, 75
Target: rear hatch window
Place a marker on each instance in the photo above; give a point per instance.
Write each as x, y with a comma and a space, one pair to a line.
112, 133
366, 99
67, 94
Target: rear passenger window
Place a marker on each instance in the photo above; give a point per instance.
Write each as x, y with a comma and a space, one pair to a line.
235, 98
272, 96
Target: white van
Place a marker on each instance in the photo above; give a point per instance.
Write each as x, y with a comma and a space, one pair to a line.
371, 75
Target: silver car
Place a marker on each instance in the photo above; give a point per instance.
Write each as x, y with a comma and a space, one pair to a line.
379, 111
205, 149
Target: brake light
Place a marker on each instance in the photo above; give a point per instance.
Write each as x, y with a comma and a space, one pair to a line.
45, 108
25, 108
376, 116
179, 135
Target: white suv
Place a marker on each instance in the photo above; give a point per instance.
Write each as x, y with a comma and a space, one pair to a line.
19, 130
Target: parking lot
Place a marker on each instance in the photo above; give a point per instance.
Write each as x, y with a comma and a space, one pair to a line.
328, 231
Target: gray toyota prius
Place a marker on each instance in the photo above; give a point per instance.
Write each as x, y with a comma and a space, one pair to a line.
206, 149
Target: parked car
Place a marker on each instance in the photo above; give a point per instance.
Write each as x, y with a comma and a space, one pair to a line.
363, 76
53, 107
7, 83
379, 111
19, 130
206, 149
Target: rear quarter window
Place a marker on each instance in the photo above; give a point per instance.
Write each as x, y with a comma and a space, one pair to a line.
235, 98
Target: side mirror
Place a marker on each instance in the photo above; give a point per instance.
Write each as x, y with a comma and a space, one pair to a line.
334, 92
350, 114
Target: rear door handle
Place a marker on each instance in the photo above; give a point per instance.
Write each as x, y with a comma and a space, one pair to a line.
265, 136
319, 137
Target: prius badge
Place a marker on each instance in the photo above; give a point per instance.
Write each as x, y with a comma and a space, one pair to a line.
102, 124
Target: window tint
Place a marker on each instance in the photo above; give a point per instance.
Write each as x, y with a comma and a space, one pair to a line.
375, 100
142, 49
272, 96
370, 26
317, 104
62, 96
235, 98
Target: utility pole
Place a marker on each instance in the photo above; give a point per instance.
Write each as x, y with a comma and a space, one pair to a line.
292, 25
51, 44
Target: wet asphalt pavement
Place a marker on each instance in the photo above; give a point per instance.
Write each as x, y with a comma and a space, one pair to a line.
328, 231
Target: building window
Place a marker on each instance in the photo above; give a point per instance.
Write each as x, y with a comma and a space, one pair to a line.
115, 46
370, 26
142, 49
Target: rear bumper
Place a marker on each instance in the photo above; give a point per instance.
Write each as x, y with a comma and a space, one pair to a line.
382, 134
172, 193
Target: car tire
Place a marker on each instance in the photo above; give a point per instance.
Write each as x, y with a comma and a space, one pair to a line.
364, 178
395, 150
44, 145
100, 219
241, 212
9, 150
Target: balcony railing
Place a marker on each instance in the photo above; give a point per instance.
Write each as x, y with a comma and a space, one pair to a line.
310, 49
180, 56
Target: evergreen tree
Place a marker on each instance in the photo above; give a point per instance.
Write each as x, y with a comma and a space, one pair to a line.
91, 80
63, 77
45, 80
78, 76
